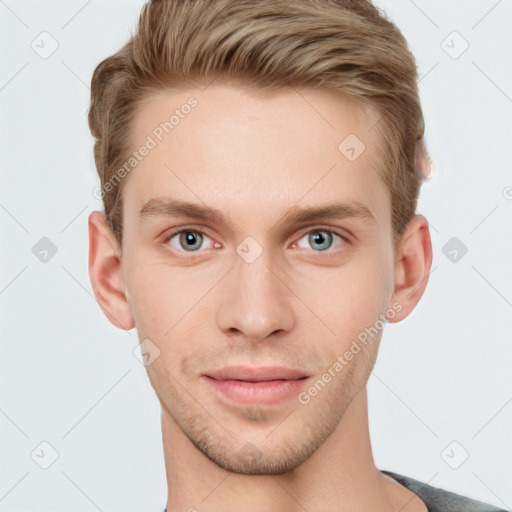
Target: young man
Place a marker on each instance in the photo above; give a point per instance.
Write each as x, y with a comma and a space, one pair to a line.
260, 165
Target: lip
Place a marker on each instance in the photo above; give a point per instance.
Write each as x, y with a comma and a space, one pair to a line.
257, 374
262, 385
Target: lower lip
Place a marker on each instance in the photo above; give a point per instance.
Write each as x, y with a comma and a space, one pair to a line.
266, 392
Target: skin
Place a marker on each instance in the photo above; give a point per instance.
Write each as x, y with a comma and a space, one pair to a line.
254, 155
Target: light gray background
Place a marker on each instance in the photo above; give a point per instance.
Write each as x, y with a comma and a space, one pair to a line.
442, 386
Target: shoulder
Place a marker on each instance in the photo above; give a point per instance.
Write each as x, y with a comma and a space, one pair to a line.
440, 500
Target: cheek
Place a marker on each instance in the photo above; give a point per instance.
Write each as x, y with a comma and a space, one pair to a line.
350, 298
151, 298
164, 299
341, 301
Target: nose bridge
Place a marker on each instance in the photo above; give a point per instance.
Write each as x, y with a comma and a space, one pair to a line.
255, 301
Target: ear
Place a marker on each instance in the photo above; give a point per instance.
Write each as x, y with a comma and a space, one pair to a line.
105, 272
412, 267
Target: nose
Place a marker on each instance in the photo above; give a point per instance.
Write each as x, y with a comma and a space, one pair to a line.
256, 301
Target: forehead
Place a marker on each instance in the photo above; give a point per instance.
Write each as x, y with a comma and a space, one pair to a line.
254, 152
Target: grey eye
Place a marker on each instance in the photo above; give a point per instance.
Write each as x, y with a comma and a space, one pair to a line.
188, 240
319, 239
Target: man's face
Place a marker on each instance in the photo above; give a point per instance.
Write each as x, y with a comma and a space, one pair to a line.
258, 289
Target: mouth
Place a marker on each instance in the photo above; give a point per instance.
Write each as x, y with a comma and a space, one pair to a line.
256, 385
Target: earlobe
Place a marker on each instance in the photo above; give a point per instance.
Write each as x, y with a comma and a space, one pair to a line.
105, 273
412, 267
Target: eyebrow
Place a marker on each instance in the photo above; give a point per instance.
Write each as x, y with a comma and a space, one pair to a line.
167, 207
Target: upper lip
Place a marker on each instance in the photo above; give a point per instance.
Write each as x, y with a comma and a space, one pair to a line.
256, 374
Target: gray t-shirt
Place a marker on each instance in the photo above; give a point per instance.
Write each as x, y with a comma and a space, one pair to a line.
439, 500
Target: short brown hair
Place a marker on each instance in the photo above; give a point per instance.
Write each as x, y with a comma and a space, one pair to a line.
346, 45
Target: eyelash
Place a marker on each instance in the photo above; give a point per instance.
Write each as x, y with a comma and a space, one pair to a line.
196, 230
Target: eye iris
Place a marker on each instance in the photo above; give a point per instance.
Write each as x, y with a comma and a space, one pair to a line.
319, 237
187, 239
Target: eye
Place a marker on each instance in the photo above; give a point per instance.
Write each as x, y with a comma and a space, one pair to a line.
191, 240
187, 240
321, 239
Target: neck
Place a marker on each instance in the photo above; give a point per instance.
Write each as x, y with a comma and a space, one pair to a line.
338, 476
